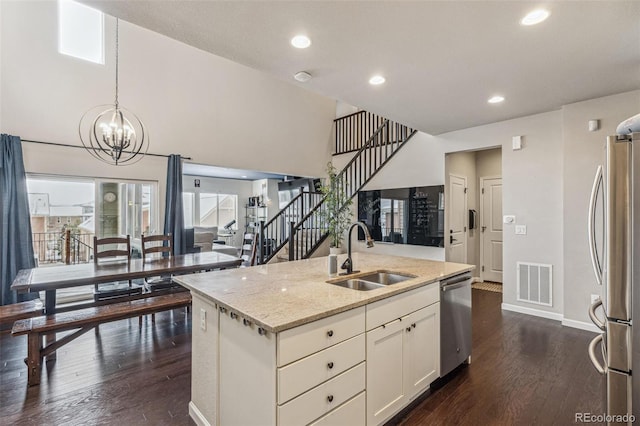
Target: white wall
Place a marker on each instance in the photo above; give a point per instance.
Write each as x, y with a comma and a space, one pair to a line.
192, 102
583, 151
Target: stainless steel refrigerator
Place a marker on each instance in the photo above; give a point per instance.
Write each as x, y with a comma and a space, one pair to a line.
614, 236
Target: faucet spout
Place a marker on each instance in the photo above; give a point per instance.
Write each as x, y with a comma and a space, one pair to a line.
348, 263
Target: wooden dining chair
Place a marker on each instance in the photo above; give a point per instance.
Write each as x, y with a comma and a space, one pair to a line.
158, 246
110, 248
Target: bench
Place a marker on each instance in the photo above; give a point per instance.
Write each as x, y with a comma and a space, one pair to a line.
17, 311
84, 320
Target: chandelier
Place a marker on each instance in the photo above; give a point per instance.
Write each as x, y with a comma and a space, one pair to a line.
116, 135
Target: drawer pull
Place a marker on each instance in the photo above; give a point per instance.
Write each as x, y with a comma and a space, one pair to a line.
413, 325
330, 398
223, 309
330, 333
246, 322
408, 329
330, 365
262, 331
233, 315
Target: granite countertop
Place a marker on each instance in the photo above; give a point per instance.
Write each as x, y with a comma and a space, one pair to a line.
280, 296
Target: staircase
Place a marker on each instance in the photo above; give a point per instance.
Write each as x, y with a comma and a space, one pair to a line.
301, 225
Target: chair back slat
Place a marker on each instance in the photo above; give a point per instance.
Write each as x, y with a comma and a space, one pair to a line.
100, 243
148, 246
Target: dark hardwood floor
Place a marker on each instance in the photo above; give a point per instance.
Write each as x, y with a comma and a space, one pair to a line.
525, 371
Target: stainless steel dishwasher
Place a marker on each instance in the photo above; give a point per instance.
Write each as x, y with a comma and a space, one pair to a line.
455, 322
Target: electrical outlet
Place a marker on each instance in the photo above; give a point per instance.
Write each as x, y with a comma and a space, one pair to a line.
203, 319
594, 297
521, 229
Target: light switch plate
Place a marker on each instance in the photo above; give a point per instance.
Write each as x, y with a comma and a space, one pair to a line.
521, 229
509, 219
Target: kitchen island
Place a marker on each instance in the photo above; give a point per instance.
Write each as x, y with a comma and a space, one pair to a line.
276, 344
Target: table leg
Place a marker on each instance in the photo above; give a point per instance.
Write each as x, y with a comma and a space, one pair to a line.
50, 309
34, 359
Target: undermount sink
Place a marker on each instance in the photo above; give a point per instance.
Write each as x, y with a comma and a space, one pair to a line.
372, 280
385, 277
356, 284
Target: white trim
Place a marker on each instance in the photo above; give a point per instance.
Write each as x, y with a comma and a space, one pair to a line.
581, 325
531, 311
197, 416
552, 316
476, 280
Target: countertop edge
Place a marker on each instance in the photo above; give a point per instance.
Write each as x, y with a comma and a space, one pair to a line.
292, 324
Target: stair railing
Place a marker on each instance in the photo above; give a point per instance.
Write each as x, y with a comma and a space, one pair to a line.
274, 234
384, 143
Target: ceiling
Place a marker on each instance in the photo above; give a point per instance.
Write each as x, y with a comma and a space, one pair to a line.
442, 60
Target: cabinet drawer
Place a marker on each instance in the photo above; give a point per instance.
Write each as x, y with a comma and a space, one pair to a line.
306, 339
322, 399
386, 310
302, 375
350, 413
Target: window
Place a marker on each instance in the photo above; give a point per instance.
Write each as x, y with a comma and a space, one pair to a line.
209, 209
80, 31
87, 207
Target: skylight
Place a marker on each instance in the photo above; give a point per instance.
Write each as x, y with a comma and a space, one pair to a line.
80, 31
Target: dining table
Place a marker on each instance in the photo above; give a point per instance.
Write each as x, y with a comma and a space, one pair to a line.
53, 278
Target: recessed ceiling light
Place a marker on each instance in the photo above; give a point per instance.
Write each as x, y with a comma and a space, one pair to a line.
376, 80
495, 99
302, 76
535, 17
243, 177
301, 41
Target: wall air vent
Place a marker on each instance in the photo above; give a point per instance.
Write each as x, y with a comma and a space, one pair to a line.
535, 283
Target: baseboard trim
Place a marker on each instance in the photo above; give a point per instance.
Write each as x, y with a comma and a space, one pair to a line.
531, 311
197, 416
581, 325
476, 280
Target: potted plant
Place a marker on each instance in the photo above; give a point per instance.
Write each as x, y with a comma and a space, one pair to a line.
337, 212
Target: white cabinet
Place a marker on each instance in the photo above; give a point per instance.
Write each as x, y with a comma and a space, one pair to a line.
385, 366
403, 358
421, 349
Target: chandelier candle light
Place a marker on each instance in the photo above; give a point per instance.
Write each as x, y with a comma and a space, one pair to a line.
116, 135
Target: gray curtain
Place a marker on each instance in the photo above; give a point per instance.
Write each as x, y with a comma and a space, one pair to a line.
16, 245
173, 213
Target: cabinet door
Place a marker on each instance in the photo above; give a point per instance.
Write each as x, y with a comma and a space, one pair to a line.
385, 387
421, 349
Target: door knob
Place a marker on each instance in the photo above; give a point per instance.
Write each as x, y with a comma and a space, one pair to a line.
483, 228
451, 239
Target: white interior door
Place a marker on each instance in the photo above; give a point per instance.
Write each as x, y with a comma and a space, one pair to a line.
491, 229
457, 237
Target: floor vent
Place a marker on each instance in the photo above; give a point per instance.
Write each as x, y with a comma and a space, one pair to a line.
535, 284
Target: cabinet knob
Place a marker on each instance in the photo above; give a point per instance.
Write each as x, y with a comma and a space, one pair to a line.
330, 398
233, 315
408, 329
413, 325
330, 365
262, 331
330, 333
246, 322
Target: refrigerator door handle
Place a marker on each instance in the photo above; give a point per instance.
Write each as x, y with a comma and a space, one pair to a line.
594, 317
592, 354
593, 249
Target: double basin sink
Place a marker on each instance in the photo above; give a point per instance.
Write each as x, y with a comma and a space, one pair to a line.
371, 280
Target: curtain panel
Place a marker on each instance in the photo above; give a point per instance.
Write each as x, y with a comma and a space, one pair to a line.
16, 245
173, 213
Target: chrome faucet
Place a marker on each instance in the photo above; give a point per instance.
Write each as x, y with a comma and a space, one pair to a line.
348, 263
